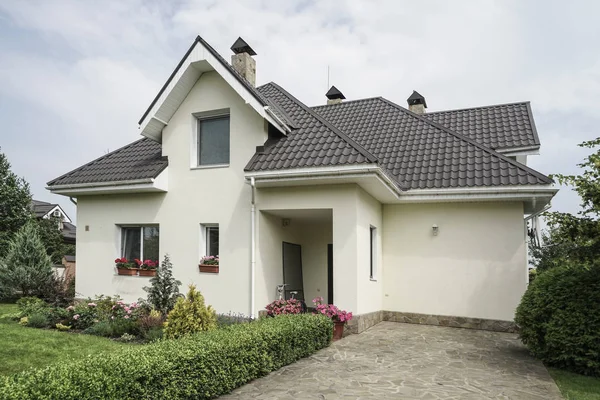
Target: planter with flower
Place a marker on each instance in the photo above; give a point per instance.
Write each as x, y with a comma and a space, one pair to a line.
339, 317
282, 306
147, 267
125, 267
209, 264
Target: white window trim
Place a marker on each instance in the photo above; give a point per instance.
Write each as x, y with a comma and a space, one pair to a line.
196, 118
204, 238
140, 226
373, 246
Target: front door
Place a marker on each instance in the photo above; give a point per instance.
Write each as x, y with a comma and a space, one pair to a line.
292, 270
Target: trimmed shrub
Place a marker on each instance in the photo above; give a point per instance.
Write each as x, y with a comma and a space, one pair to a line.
201, 366
232, 319
559, 317
190, 315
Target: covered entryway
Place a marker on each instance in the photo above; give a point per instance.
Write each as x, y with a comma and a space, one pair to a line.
295, 249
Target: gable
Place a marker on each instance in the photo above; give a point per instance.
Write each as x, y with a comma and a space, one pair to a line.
200, 58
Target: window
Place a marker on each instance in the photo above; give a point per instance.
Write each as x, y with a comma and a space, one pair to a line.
373, 240
210, 237
140, 242
213, 141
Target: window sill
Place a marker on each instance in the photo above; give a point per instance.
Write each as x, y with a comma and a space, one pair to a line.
210, 166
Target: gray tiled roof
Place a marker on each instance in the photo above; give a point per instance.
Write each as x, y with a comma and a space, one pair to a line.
418, 153
141, 159
41, 208
501, 126
314, 143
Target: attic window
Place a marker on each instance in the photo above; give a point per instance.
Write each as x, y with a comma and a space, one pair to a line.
213, 141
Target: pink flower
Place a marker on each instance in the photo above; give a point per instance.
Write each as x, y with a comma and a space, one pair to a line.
76, 316
126, 317
70, 308
128, 311
92, 304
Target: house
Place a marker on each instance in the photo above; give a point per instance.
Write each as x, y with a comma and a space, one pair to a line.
389, 212
42, 209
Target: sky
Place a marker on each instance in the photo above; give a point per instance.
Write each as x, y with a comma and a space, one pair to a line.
76, 76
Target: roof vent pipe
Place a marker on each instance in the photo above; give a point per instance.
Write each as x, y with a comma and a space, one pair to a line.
417, 103
243, 62
334, 96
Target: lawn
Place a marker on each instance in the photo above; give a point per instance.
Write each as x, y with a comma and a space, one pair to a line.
23, 347
576, 387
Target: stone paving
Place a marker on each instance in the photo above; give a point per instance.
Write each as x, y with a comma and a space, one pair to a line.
403, 361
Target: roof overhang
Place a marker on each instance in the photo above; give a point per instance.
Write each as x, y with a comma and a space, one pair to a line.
200, 58
372, 179
150, 185
520, 151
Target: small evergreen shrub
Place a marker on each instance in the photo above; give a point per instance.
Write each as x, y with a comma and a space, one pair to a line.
559, 318
202, 366
163, 291
30, 305
37, 320
190, 315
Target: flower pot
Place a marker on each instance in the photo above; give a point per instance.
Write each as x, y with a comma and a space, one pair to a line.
338, 330
147, 272
213, 269
128, 272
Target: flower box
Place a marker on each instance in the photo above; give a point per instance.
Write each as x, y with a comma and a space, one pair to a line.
213, 269
147, 272
128, 272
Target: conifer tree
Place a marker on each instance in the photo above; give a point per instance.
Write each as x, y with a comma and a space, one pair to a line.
164, 290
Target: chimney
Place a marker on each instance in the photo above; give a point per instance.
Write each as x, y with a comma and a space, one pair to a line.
243, 62
416, 103
334, 96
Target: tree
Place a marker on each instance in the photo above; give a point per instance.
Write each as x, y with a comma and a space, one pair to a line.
190, 315
15, 204
575, 239
164, 290
26, 268
52, 238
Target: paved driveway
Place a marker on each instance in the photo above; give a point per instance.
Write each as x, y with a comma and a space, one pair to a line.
402, 361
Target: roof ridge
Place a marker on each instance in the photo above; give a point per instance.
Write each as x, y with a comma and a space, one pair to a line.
327, 124
471, 141
346, 102
95, 160
478, 108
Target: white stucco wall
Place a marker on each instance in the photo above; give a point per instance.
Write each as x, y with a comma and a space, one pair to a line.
195, 196
474, 267
370, 291
343, 201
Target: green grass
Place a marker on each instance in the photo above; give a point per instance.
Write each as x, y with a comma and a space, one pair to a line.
575, 386
22, 347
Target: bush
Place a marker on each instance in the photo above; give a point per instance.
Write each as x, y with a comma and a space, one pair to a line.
102, 328
152, 320
153, 334
58, 291
559, 317
37, 320
30, 305
232, 319
200, 366
190, 315
164, 288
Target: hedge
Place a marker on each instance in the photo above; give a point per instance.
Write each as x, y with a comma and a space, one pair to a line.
202, 366
559, 318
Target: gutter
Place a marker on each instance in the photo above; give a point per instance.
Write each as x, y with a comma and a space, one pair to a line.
535, 215
100, 184
252, 248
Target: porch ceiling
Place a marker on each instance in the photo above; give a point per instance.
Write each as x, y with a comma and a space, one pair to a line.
303, 215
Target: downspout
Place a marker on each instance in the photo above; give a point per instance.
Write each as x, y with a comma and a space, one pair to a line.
252, 249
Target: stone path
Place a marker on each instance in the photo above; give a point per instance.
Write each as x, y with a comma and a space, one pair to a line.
403, 361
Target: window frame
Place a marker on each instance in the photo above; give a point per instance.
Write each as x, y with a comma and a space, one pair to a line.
205, 239
141, 228
373, 253
196, 142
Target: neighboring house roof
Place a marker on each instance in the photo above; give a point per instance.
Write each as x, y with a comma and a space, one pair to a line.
500, 127
141, 159
41, 208
422, 154
70, 258
69, 231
